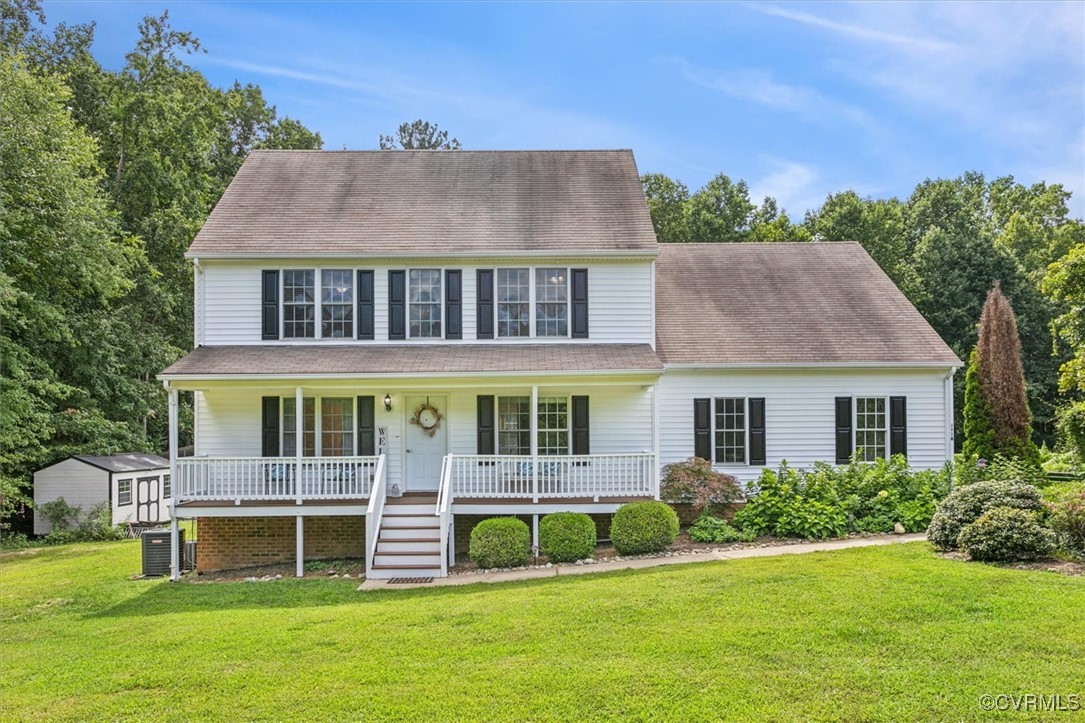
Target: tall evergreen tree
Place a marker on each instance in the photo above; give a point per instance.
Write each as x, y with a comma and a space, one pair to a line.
999, 415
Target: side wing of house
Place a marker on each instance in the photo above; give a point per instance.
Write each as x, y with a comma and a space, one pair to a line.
80, 484
747, 419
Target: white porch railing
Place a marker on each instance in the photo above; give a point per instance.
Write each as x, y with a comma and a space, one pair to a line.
552, 476
274, 478
444, 515
374, 513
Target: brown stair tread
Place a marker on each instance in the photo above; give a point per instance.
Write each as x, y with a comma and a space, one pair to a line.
412, 566
408, 552
408, 539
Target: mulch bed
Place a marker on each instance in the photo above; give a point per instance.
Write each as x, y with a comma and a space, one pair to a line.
327, 570
1070, 568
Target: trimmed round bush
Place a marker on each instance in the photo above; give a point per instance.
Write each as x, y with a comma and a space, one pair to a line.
500, 542
1006, 534
967, 504
567, 536
642, 527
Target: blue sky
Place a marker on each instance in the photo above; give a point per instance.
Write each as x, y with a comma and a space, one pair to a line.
800, 100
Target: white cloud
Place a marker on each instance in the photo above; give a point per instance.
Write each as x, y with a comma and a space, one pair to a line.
797, 187
858, 31
758, 86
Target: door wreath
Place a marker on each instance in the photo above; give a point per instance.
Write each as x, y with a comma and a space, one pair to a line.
428, 417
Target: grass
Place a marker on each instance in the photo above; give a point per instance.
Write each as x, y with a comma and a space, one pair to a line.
880, 633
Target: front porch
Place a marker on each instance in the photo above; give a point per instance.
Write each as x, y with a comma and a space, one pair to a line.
412, 534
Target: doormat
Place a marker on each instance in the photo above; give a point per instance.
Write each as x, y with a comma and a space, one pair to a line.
410, 580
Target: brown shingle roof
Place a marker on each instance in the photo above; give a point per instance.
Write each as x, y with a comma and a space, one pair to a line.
785, 303
432, 359
430, 202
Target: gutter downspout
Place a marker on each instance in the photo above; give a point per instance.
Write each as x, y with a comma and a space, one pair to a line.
947, 385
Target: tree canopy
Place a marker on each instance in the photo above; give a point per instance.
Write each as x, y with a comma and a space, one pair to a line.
419, 135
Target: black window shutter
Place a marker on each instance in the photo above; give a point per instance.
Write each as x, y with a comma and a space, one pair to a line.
580, 303
581, 427
365, 305
367, 429
484, 304
486, 428
397, 304
702, 428
757, 430
270, 427
453, 304
843, 430
898, 425
270, 325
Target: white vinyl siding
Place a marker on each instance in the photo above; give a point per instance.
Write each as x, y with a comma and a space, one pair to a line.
619, 304
800, 411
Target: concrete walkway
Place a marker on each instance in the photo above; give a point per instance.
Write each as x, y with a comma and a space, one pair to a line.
640, 563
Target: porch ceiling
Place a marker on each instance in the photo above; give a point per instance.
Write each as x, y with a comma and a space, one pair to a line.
413, 360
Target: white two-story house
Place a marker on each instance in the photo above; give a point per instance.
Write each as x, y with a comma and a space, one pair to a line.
392, 344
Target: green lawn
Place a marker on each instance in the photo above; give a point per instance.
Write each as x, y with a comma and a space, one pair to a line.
881, 633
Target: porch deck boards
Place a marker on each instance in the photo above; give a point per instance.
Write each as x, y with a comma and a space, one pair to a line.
354, 501
527, 500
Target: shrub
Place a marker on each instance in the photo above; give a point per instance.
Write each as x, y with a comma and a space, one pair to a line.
709, 528
967, 504
71, 524
1066, 515
567, 536
641, 527
1004, 534
696, 484
500, 542
60, 514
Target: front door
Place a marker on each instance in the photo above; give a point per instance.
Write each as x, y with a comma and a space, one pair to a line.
426, 442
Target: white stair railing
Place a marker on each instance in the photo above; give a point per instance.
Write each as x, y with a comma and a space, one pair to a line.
374, 512
444, 515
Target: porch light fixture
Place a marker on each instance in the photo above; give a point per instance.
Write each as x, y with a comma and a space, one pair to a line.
387, 402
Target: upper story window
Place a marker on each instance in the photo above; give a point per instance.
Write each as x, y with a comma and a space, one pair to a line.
337, 303
551, 302
299, 304
513, 302
424, 295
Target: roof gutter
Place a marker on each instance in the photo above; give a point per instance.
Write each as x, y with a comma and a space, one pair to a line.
166, 378
613, 254
816, 365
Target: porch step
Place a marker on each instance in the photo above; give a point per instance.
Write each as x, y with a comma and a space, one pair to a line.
386, 572
410, 533
420, 544
407, 559
389, 520
410, 509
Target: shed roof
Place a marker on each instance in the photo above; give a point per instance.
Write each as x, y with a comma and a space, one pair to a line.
786, 304
430, 202
128, 462
420, 359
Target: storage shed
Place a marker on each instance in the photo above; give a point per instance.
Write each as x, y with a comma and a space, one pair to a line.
136, 486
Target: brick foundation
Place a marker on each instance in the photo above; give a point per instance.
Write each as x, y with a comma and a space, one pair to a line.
229, 543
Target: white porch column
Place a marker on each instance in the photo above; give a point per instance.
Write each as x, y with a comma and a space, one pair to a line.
535, 534
655, 440
175, 543
534, 426
299, 435
300, 544
451, 540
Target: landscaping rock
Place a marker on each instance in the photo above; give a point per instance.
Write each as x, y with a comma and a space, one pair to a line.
898, 529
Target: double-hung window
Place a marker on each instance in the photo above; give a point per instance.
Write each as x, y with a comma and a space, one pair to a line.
513, 302
124, 492
167, 486
302, 305
327, 427
337, 303
551, 302
514, 425
730, 430
870, 428
299, 304
424, 295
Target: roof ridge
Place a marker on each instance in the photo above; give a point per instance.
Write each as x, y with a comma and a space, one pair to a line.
439, 150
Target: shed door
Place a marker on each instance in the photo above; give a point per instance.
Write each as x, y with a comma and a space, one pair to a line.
148, 493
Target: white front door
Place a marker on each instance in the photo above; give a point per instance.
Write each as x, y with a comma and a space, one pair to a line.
425, 453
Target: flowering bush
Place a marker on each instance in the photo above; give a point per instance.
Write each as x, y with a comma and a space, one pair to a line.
696, 484
1065, 505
